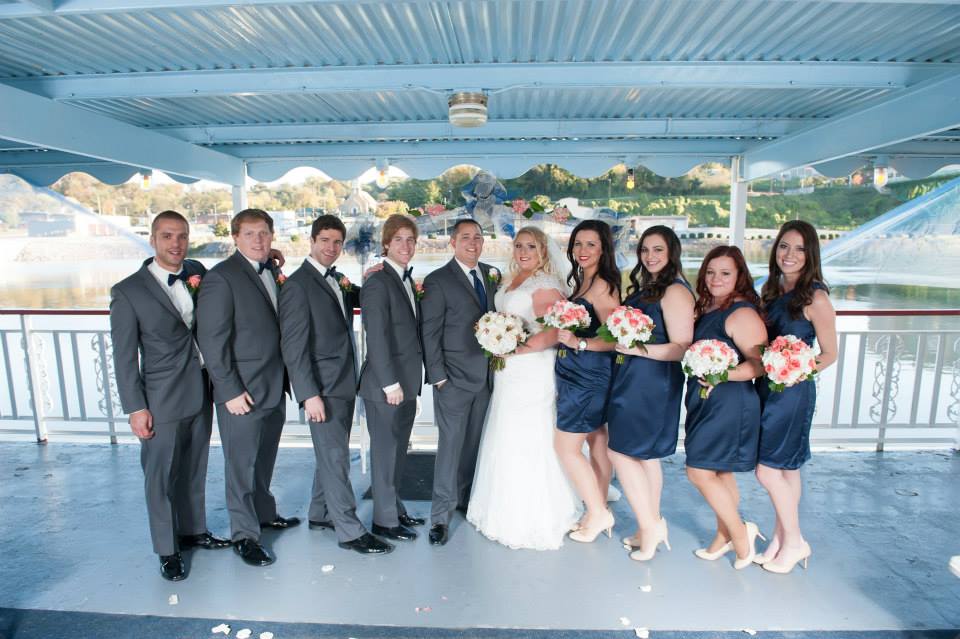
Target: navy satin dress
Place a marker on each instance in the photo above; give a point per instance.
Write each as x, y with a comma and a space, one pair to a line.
643, 416
786, 417
723, 430
583, 382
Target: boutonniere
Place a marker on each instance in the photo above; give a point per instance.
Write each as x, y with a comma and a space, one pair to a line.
193, 284
281, 278
493, 276
418, 290
345, 284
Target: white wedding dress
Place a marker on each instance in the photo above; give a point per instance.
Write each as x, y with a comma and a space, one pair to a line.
521, 497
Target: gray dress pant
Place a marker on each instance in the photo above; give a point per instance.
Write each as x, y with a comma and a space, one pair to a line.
333, 499
459, 415
174, 465
390, 428
250, 445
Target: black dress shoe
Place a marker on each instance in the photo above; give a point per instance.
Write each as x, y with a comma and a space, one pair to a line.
171, 567
253, 553
281, 523
367, 544
204, 540
320, 524
407, 520
439, 534
398, 532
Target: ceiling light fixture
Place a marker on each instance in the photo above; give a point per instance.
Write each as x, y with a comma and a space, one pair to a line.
467, 109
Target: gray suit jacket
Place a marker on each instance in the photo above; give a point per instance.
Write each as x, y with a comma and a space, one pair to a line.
450, 311
317, 337
394, 353
154, 359
239, 334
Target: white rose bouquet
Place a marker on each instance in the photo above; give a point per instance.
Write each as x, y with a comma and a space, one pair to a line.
499, 334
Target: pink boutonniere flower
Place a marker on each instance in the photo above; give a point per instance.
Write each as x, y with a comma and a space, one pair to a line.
418, 290
193, 283
345, 284
281, 278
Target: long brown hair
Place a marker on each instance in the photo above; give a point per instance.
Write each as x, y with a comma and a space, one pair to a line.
654, 287
811, 274
743, 287
606, 268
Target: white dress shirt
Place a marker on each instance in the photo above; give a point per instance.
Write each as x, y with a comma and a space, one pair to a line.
267, 278
330, 280
408, 287
179, 295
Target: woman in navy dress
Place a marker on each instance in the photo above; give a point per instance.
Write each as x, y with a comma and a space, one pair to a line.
722, 430
583, 376
643, 416
796, 302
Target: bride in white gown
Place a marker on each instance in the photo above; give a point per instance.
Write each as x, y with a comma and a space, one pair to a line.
521, 496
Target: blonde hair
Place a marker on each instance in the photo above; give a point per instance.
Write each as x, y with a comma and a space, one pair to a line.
540, 239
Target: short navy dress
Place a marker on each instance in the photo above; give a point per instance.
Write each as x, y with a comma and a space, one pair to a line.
583, 382
723, 430
786, 417
643, 415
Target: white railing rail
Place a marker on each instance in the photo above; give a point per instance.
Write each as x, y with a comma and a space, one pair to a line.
887, 387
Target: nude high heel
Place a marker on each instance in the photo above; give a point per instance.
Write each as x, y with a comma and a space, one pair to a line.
662, 537
587, 534
788, 558
752, 533
705, 554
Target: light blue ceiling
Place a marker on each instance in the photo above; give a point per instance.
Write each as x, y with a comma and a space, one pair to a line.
265, 86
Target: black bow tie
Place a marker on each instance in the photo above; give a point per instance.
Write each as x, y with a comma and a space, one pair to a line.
262, 266
182, 275
332, 272
408, 273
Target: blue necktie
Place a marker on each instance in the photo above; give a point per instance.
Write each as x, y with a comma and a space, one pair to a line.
262, 266
478, 286
171, 278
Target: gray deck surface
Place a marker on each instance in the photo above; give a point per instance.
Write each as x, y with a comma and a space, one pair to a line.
74, 535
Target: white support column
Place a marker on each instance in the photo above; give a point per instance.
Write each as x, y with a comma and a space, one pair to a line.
738, 204
240, 192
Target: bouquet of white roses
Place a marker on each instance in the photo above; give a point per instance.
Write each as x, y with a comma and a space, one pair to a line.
565, 314
628, 327
499, 334
709, 360
787, 362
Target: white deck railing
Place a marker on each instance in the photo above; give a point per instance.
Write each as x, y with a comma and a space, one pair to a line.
887, 387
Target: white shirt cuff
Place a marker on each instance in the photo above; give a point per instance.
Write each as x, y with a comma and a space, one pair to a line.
391, 388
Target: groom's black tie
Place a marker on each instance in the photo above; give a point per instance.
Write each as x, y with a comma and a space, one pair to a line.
332, 272
408, 274
182, 275
478, 286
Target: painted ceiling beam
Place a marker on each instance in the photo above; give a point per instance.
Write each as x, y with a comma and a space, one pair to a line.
29, 119
494, 129
490, 77
28, 8
927, 108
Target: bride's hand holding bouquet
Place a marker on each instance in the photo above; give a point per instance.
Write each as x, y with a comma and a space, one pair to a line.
499, 334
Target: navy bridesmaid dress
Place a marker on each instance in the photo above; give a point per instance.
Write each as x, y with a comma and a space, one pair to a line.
583, 382
723, 430
786, 417
643, 415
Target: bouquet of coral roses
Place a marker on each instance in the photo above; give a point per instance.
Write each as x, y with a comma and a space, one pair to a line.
499, 334
709, 360
788, 361
628, 327
566, 315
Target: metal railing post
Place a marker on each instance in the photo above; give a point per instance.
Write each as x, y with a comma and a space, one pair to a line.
885, 406
33, 381
107, 390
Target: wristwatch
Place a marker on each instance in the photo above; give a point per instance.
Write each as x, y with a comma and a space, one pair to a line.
581, 345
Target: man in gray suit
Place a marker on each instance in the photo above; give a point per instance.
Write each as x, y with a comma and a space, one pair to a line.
316, 322
456, 295
392, 373
165, 391
239, 336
